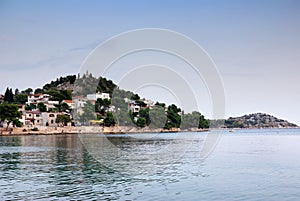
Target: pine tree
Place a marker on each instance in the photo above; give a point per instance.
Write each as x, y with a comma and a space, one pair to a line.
9, 96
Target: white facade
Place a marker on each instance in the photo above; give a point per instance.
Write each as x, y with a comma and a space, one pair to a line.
36, 98
98, 95
33, 118
51, 104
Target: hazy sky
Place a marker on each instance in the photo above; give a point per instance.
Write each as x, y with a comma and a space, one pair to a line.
255, 44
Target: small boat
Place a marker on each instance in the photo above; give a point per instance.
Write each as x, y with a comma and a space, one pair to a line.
231, 130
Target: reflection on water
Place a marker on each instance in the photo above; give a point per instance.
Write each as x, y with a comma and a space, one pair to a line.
246, 165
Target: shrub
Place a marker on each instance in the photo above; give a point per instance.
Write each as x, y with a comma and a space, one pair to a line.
35, 129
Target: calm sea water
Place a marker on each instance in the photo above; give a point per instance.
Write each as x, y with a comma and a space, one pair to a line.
245, 165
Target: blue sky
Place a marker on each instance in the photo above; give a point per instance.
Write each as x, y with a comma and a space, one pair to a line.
255, 44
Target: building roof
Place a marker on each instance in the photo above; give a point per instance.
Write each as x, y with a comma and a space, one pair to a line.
34, 112
68, 101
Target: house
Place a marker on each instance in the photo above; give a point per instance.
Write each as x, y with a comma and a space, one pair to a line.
37, 98
33, 118
148, 103
79, 102
134, 107
49, 118
51, 104
97, 96
70, 103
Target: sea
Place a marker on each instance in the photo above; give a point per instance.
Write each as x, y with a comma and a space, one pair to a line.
247, 164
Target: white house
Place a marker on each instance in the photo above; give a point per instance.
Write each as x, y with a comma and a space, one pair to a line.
33, 118
51, 104
98, 95
36, 98
70, 103
134, 107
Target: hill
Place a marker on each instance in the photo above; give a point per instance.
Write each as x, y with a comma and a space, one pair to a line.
257, 120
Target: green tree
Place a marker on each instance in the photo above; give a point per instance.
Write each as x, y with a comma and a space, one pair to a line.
30, 107
63, 119
109, 120
141, 103
119, 103
9, 96
105, 85
135, 97
9, 112
144, 112
38, 91
20, 98
157, 116
102, 105
88, 113
27, 91
17, 123
203, 123
173, 118
42, 107
190, 120
124, 118
59, 95
163, 105
141, 122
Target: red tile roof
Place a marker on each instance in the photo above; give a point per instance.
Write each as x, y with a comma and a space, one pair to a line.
68, 101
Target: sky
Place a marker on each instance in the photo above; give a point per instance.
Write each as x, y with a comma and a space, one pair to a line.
254, 44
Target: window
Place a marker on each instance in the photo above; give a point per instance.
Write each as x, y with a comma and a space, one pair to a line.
37, 115
38, 121
52, 122
51, 115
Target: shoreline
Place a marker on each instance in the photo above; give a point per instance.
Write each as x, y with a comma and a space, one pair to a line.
89, 130
68, 130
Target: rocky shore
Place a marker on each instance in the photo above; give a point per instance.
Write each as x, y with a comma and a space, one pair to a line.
88, 130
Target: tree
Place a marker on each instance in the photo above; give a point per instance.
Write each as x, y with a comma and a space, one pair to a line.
9, 96
59, 95
63, 119
62, 107
174, 118
124, 118
20, 98
9, 112
141, 103
109, 120
102, 105
141, 122
17, 123
119, 103
190, 120
203, 123
158, 117
30, 107
38, 91
135, 97
42, 107
27, 91
88, 113
144, 112
163, 105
